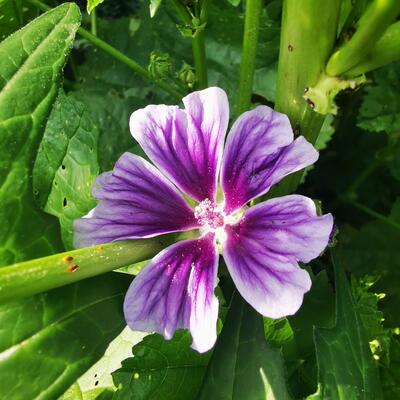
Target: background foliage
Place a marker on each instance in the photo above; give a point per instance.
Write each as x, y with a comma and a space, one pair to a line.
67, 343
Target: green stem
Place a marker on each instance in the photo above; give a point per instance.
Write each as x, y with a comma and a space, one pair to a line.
372, 213
385, 51
375, 20
247, 65
113, 52
199, 59
307, 38
182, 12
35, 276
198, 44
93, 23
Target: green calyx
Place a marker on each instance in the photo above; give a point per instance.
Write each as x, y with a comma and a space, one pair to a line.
321, 97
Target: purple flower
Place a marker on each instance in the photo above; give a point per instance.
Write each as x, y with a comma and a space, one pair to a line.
261, 245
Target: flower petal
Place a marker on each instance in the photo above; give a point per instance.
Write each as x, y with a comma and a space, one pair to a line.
136, 201
186, 145
262, 250
176, 291
260, 152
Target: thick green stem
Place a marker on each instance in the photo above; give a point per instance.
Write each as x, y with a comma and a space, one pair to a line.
247, 65
307, 38
385, 51
375, 20
113, 52
35, 276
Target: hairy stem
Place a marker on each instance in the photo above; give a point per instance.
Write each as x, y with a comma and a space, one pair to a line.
376, 18
308, 35
35, 276
121, 57
385, 51
247, 65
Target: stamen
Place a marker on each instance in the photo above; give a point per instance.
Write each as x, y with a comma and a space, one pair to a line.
208, 214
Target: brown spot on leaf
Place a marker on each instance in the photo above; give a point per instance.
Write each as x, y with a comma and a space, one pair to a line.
68, 259
73, 268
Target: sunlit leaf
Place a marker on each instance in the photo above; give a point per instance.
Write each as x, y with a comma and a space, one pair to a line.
49, 340
243, 364
66, 164
30, 72
346, 367
161, 370
96, 383
92, 4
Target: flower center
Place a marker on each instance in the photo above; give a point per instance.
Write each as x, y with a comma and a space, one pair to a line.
209, 214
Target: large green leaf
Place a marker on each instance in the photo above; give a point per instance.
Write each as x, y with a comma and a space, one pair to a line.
380, 109
161, 370
30, 72
244, 365
299, 354
66, 164
374, 250
13, 13
48, 340
346, 367
96, 383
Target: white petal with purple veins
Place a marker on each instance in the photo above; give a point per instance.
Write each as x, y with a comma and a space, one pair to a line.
260, 152
136, 201
186, 144
262, 251
176, 290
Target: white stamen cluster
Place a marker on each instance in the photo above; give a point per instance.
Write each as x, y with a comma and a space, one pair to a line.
209, 215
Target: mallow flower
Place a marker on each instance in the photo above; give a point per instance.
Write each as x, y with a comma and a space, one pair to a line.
261, 244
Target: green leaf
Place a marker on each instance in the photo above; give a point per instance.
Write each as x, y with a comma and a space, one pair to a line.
154, 6
300, 355
277, 331
96, 383
374, 250
345, 364
380, 109
235, 3
371, 317
390, 375
243, 365
92, 4
325, 134
49, 340
161, 370
30, 73
13, 13
66, 165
